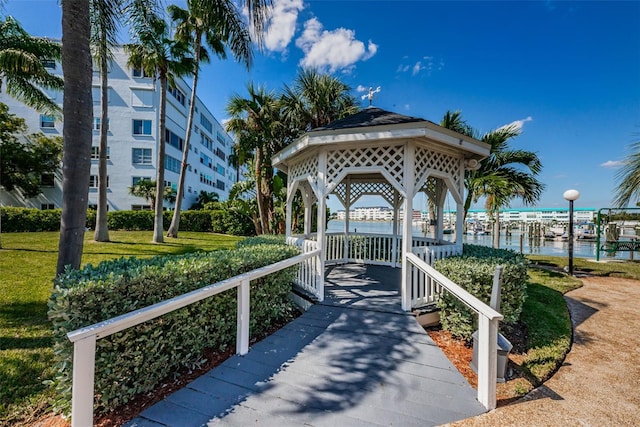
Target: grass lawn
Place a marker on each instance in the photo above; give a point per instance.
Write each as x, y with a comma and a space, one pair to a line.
613, 268
27, 266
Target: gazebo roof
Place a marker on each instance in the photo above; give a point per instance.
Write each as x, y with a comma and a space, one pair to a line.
370, 116
373, 125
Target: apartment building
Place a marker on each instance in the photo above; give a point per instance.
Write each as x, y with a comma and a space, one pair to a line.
133, 141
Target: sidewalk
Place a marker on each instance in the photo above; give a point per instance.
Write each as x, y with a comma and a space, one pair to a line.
599, 382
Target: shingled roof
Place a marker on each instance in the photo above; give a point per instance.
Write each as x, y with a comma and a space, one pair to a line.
370, 116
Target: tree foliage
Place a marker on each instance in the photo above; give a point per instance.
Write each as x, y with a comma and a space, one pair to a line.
25, 158
628, 178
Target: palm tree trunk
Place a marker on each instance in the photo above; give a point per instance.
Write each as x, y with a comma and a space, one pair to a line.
102, 231
175, 220
496, 229
264, 224
77, 107
159, 202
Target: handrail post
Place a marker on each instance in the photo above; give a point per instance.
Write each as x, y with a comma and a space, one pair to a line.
487, 361
84, 366
242, 338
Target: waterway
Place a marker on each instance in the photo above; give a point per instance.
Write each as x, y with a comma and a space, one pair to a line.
581, 248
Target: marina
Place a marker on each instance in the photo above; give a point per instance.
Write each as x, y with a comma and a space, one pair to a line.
557, 246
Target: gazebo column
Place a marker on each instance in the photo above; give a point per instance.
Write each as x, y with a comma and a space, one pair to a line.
409, 184
394, 228
441, 195
287, 221
321, 239
347, 208
307, 199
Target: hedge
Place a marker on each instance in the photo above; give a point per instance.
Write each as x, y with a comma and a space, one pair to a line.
474, 271
136, 360
219, 221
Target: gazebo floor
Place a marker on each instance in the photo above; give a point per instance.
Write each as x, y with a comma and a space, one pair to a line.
354, 360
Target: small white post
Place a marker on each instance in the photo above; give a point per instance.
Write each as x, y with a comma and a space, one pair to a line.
487, 361
496, 289
84, 366
347, 208
394, 231
242, 338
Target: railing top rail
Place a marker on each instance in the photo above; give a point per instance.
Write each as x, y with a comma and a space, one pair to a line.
464, 296
133, 318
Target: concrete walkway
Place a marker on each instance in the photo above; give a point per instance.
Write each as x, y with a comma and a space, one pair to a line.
355, 360
599, 383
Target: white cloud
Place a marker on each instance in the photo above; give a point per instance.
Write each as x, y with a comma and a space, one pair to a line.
417, 67
333, 50
361, 88
612, 164
518, 124
281, 27
428, 63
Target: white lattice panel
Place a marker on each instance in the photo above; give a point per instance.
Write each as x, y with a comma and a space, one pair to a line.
390, 159
383, 189
427, 159
307, 167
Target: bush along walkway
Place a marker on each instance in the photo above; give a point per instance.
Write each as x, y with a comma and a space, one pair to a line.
598, 382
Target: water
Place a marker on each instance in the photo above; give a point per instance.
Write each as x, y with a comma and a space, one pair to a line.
581, 248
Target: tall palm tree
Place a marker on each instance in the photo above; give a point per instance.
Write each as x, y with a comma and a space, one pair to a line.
628, 178
22, 65
76, 159
104, 31
160, 56
146, 189
504, 175
316, 100
220, 24
260, 131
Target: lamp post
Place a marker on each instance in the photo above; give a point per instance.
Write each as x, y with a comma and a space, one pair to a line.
571, 196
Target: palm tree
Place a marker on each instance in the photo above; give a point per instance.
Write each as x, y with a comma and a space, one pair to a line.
220, 23
22, 64
628, 178
146, 189
104, 30
76, 159
316, 100
160, 56
257, 124
503, 176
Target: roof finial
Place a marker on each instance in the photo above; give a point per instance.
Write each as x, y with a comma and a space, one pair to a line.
370, 94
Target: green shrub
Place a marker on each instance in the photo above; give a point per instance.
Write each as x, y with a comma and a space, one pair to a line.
263, 239
137, 359
130, 220
228, 221
474, 272
196, 221
16, 220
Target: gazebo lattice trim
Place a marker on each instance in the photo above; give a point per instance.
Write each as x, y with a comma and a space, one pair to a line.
303, 169
427, 160
359, 189
387, 158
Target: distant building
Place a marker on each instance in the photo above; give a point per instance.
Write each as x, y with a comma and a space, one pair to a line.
374, 213
133, 141
542, 215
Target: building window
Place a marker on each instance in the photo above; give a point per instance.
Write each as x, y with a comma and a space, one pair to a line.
221, 154
140, 207
47, 206
141, 127
206, 123
93, 206
141, 156
49, 63
206, 141
173, 139
221, 139
96, 123
220, 169
189, 189
93, 181
139, 73
95, 153
47, 122
219, 185
135, 180
178, 95
206, 160
47, 180
172, 164
141, 97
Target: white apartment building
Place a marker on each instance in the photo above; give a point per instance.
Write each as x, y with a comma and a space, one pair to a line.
541, 215
133, 141
373, 213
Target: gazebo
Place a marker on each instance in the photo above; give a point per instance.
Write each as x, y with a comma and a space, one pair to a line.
378, 152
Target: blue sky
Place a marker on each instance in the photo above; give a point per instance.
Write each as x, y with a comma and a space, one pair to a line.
568, 72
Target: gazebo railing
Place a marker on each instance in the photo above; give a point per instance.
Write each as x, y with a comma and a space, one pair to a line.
424, 290
309, 277
488, 319
370, 248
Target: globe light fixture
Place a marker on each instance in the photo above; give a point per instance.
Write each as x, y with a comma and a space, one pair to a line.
571, 196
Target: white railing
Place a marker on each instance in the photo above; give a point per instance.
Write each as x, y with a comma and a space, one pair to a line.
424, 290
309, 277
488, 319
84, 339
